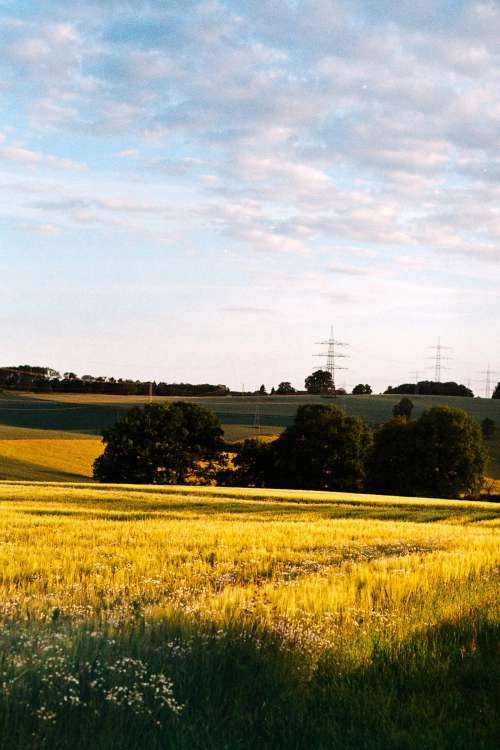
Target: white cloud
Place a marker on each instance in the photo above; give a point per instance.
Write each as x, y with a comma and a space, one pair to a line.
29, 157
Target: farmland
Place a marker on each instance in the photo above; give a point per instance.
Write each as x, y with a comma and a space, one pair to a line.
216, 618
46, 455
27, 418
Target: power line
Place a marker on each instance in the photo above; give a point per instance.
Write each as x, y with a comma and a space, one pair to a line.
256, 417
331, 356
438, 358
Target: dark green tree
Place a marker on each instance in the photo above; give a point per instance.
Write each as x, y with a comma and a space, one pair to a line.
391, 468
496, 392
404, 408
159, 444
285, 388
322, 450
254, 464
441, 454
360, 389
319, 381
488, 428
451, 448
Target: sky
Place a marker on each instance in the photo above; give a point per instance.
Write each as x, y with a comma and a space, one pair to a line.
197, 191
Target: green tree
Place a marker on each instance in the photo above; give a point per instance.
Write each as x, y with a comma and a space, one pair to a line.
403, 409
159, 444
441, 454
319, 381
452, 451
496, 392
253, 464
285, 388
360, 389
391, 468
322, 450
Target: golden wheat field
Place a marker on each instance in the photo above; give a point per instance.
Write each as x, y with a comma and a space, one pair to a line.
46, 455
197, 617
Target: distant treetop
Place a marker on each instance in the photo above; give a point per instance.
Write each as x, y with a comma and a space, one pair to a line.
431, 388
361, 389
320, 381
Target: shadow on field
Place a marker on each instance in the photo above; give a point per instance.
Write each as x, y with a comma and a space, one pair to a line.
246, 692
177, 508
14, 469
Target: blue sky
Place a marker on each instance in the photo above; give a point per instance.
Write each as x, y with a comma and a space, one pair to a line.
197, 190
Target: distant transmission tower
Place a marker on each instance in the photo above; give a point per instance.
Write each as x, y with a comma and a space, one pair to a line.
488, 373
438, 358
332, 355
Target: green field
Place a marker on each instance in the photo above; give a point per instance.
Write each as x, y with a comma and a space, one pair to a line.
76, 417
186, 618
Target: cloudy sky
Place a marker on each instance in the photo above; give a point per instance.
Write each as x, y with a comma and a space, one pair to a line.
197, 190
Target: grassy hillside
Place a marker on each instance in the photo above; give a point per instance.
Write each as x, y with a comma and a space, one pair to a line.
137, 617
272, 410
46, 455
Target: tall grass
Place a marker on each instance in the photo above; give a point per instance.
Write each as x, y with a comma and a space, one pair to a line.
214, 618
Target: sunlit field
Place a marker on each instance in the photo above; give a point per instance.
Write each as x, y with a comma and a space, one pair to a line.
47, 455
142, 617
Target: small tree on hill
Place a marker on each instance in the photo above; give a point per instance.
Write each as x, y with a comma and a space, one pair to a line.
403, 409
360, 389
159, 444
320, 381
285, 388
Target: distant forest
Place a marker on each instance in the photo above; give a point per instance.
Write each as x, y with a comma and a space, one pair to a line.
47, 380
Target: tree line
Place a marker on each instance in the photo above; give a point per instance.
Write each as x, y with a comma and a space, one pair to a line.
432, 388
440, 454
320, 382
47, 380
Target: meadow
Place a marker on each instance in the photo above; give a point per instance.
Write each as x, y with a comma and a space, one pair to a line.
177, 617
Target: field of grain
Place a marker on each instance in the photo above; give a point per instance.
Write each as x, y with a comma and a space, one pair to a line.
45, 455
146, 617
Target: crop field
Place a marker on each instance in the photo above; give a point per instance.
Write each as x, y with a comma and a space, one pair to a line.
46, 455
146, 617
